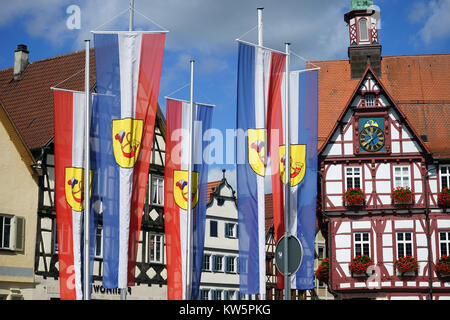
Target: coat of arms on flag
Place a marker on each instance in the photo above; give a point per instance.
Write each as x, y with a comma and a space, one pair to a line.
127, 134
257, 140
74, 187
297, 163
180, 188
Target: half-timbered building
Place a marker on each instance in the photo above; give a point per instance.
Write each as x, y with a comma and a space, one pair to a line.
27, 101
384, 125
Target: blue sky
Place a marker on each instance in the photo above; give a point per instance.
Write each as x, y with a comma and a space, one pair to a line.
206, 30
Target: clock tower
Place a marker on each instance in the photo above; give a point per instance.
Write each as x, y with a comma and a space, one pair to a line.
364, 48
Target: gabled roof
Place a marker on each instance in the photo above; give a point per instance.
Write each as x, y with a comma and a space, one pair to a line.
29, 100
419, 86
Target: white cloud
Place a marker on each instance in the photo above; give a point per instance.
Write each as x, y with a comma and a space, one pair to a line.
436, 20
315, 29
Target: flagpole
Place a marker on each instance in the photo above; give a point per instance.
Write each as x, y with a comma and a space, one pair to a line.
189, 204
131, 20
123, 291
287, 171
86, 183
260, 43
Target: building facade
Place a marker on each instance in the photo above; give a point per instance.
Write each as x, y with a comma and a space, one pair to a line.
220, 272
385, 128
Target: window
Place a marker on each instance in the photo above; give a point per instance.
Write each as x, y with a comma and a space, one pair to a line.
230, 230
5, 232
155, 248
363, 31
362, 244
206, 262
213, 228
230, 295
321, 252
370, 100
218, 263
12, 232
98, 242
204, 294
216, 294
444, 242
353, 177
445, 177
404, 244
230, 264
401, 176
157, 191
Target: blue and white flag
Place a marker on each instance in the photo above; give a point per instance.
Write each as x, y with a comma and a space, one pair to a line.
128, 70
260, 72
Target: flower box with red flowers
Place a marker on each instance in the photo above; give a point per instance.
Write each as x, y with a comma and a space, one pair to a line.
444, 198
322, 271
359, 265
401, 195
443, 266
406, 265
354, 197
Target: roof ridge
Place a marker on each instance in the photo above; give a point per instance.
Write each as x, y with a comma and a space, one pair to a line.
63, 55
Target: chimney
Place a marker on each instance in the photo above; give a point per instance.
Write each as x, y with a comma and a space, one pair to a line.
20, 60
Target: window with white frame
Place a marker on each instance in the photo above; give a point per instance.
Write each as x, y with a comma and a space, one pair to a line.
445, 176
157, 191
204, 294
404, 244
155, 248
230, 295
230, 264
401, 176
363, 30
206, 262
353, 177
362, 244
230, 230
370, 100
216, 294
321, 252
218, 263
5, 232
12, 232
213, 228
444, 242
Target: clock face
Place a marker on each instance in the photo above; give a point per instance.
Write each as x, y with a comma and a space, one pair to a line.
371, 138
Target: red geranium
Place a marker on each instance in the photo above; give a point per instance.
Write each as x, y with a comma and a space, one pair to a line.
444, 198
322, 271
443, 265
401, 195
354, 197
407, 264
359, 264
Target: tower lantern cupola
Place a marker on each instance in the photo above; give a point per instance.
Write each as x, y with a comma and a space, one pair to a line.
364, 46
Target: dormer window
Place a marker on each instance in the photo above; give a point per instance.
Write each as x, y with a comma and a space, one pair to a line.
363, 30
370, 100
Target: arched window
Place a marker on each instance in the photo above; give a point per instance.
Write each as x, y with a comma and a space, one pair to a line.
363, 31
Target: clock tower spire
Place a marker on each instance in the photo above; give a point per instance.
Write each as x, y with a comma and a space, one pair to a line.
364, 48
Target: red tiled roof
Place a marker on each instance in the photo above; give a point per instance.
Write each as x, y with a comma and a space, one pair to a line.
29, 100
419, 85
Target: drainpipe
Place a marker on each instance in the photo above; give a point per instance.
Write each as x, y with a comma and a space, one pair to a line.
427, 220
322, 200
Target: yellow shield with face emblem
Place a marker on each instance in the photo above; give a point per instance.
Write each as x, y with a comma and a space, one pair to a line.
297, 163
127, 135
257, 150
74, 187
180, 188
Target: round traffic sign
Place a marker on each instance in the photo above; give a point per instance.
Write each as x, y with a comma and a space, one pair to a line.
295, 255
